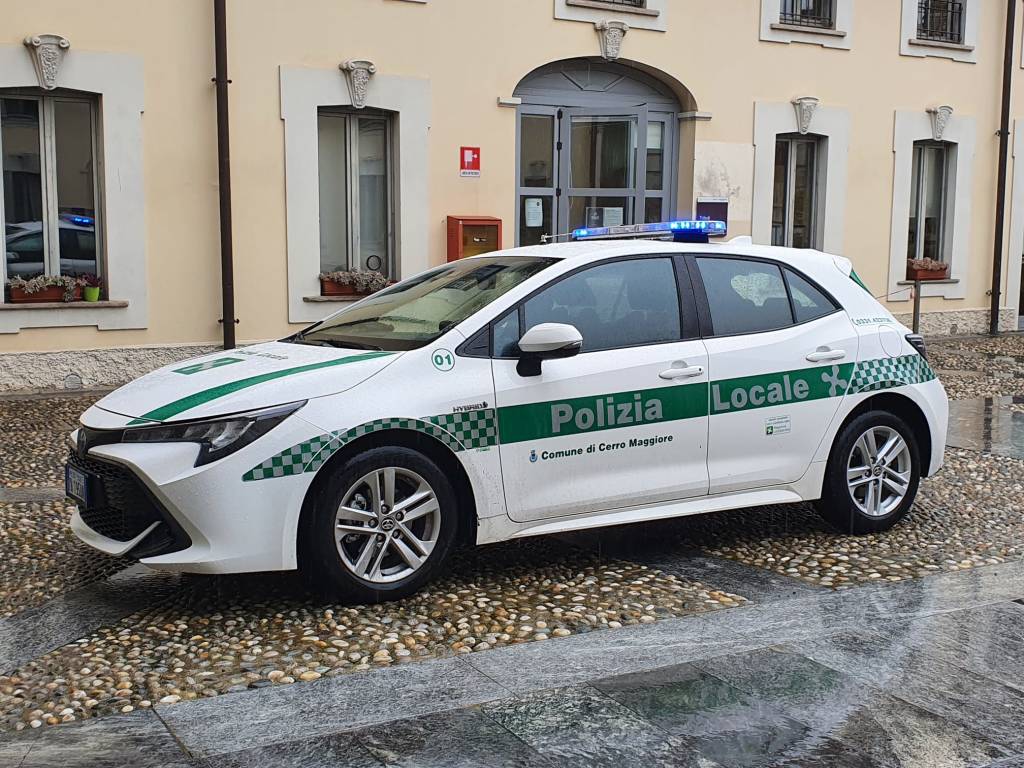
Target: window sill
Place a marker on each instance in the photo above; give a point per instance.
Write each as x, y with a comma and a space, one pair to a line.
941, 45
343, 299
946, 281
614, 7
64, 305
807, 30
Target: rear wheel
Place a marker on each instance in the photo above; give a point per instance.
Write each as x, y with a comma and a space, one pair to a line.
381, 528
872, 475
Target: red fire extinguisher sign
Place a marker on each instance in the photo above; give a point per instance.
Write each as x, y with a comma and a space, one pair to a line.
469, 161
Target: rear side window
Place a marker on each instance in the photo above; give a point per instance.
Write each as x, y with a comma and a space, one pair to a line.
809, 303
745, 296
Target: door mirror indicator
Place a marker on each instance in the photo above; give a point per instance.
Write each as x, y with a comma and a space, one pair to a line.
547, 341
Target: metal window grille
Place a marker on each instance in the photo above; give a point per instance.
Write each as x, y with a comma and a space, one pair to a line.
941, 20
809, 13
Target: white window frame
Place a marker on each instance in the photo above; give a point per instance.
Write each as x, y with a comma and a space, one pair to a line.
831, 125
303, 91
960, 130
911, 45
820, 149
840, 36
653, 16
48, 156
117, 81
352, 208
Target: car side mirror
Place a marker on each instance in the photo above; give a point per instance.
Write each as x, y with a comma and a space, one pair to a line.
547, 341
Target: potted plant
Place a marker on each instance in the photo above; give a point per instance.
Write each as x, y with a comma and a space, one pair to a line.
927, 269
91, 287
44, 288
351, 283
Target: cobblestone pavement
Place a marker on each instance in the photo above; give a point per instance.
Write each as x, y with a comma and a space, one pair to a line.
206, 637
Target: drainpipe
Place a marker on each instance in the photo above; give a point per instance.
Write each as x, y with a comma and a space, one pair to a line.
227, 268
1004, 150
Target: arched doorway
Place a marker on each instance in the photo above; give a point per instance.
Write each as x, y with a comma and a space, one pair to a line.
597, 145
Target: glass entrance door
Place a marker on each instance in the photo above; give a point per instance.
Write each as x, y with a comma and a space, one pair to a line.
586, 167
604, 156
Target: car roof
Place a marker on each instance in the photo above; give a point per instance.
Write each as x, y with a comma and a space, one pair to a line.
595, 250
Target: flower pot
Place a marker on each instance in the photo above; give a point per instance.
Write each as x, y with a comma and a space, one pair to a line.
53, 293
927, 274
91, 293
331, 288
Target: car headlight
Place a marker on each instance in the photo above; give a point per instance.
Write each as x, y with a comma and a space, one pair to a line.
217, 437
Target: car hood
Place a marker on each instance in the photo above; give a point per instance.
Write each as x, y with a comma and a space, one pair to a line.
258, 376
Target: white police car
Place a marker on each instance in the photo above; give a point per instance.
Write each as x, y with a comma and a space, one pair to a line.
523, 392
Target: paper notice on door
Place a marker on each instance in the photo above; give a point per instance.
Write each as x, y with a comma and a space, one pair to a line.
613, 217
534, 210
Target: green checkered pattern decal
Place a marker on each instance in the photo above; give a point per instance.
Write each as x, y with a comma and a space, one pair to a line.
873, 375
475, 429
459, 431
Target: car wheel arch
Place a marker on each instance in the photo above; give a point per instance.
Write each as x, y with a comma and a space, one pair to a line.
905, 408
428, 445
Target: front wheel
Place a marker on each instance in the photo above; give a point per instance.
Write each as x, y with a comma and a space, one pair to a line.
381, 527
872, 475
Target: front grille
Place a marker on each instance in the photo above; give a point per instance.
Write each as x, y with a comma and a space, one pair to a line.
122, 508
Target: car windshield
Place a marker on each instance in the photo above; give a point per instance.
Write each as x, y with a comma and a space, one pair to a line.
418, 310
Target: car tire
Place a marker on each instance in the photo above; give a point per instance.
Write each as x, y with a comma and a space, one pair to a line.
342, 541
861, 492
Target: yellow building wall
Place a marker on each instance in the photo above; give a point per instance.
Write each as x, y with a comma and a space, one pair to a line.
474, 51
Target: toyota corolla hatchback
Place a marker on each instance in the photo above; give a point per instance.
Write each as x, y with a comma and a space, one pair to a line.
524, 392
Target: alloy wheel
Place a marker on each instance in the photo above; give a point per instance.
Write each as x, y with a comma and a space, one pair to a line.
387, 525
878, 471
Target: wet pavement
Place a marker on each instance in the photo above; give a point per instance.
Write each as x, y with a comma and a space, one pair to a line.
750, 638
988, 424
921, 673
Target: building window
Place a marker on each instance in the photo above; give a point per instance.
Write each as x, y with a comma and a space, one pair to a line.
928, 195
940, 21
795, 192
49, 182
819, 14
356, 197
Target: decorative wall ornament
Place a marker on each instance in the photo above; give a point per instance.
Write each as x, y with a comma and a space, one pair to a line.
47, 55
940, 119
358, 73
610, 33
805, 107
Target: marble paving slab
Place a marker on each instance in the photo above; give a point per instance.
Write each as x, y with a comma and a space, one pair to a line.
32, 633
330, 705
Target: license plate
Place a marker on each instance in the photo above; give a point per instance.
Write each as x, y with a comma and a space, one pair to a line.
76, 484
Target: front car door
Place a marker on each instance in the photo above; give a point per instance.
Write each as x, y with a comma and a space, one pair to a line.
780, 354
624, 422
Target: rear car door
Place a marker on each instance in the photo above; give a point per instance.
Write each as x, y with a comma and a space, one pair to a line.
624, 422
780, 354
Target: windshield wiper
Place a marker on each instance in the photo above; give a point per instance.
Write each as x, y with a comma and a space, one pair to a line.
337, 343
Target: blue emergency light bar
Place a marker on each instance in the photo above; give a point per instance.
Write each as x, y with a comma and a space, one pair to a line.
82, 221
684, 231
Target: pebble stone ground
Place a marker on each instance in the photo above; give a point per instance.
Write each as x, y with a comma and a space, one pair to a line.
224, 635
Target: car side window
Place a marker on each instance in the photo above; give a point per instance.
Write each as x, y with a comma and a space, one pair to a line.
624, 303
744, 296
809, 303
506, 335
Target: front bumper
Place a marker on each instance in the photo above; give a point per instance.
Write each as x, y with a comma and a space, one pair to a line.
178, 517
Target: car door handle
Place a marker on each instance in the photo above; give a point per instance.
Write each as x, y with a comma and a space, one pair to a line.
826, 355
682, 373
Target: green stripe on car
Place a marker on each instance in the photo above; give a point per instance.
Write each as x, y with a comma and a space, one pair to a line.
206, 395
556, 418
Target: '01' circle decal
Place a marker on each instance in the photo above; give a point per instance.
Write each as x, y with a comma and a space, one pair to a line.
442, 359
